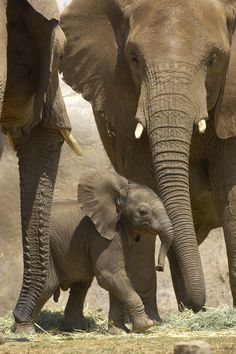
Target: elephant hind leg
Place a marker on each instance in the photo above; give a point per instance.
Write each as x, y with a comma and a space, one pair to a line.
74, 317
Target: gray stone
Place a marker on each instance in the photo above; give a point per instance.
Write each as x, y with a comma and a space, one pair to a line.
192, 347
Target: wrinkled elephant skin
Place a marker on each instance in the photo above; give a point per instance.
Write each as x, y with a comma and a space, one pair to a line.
163, 65
32, 112
93, 237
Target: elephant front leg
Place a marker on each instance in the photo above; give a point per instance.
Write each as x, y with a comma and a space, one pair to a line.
227, 211
224, 188
118, 284
39, 154
141, 270
116, 317
74, 317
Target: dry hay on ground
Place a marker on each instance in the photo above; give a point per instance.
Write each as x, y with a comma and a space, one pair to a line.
216, 326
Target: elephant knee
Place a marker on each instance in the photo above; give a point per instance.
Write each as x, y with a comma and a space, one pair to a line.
104, 279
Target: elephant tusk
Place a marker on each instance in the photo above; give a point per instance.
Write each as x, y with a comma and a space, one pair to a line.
68, 137
161, 258
11, 142
202, 126
139, 131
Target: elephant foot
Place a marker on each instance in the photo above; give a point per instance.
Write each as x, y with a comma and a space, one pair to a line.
80, 324
153, 315
2, 339
117, 330
142, 324
26, 328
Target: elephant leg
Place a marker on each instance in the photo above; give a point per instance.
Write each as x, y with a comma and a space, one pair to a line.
3, 51
116, 317
118, 284
227, 206
141, 270
224, 187
39, 154
74, 317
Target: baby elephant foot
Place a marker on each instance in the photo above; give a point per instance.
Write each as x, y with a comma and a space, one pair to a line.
79, 324
26, 328
115, 329
142, 323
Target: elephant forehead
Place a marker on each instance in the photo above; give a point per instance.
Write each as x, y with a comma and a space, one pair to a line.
179, 18
139, 194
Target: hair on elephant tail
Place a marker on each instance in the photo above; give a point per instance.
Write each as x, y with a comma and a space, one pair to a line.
57, 294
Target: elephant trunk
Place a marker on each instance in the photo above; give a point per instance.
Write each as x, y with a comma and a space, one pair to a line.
166, 234
39, 155
170, 125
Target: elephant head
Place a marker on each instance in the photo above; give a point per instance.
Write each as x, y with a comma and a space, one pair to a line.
108, 199
158, 66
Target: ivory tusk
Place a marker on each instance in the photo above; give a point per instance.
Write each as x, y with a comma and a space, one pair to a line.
138, 131
161, 258
11, 142
68, 137
202, 126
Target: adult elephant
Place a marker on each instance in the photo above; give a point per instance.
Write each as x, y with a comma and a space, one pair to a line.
33, 115
161, 67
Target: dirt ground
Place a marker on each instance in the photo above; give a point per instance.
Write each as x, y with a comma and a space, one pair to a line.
139, 344
216, 327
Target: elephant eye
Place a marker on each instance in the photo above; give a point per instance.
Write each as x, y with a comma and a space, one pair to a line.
134, 58
143, 211
213, 60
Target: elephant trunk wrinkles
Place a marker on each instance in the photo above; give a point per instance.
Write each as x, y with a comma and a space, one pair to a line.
169, 129
166, 234
39, 156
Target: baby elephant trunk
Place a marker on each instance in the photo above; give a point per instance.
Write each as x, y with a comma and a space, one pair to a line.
166, 234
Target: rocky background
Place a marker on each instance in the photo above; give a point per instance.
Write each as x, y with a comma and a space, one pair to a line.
213, 252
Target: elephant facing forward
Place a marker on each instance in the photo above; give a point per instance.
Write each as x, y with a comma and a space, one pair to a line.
94, 237
161, 77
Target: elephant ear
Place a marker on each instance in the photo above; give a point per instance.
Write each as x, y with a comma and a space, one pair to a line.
97, 195
44, 23
35, 44
94, 62
225, 110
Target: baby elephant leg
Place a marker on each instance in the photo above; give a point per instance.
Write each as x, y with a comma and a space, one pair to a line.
116, 317
119, 286
74, 317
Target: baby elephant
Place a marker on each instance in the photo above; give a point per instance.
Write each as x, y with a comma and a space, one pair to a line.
92, 237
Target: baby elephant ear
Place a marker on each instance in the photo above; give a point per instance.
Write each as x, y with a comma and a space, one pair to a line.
97, 194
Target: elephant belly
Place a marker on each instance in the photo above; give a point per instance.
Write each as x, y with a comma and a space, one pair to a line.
80, 272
